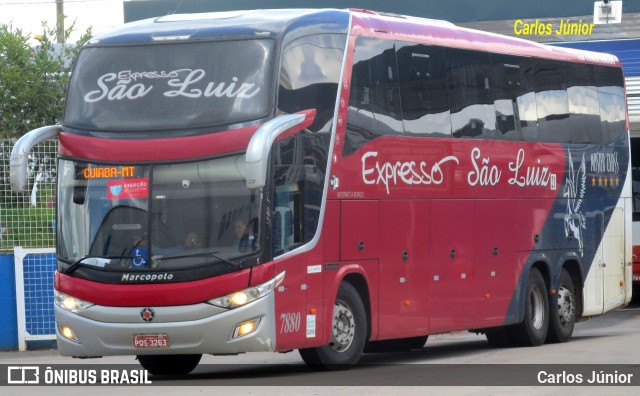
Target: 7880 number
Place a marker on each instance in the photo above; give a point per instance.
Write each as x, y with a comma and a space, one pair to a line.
290, 322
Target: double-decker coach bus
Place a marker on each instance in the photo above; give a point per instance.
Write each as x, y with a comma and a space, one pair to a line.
333, 181
635, 177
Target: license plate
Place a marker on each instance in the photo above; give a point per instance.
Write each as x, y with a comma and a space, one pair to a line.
636, 278
145, 341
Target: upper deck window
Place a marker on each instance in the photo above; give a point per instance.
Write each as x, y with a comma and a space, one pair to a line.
170, 86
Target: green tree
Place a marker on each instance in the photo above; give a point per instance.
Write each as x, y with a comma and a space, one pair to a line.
33, 80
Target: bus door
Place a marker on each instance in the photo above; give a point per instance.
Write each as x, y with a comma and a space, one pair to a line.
603, 288
295, 214
613, 260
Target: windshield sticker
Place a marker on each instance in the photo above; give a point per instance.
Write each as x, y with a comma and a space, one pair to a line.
128, 85
128, 189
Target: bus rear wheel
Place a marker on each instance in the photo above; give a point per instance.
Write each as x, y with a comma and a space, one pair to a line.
533, 329
562, 310
169, 364
348, 334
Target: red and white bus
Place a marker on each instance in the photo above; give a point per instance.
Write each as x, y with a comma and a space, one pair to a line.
333, 181
635, 177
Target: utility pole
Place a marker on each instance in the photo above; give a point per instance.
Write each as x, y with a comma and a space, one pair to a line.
60, 21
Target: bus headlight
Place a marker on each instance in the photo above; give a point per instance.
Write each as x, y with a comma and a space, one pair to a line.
243, 297
69, 303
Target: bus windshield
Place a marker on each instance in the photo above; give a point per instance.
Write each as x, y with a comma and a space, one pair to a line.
150, 217
170, 86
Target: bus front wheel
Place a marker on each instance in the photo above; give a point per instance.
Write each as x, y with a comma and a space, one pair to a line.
169, 364
348, 334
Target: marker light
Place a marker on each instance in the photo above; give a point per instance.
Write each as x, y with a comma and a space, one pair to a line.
243, 297
69, 303
67, 332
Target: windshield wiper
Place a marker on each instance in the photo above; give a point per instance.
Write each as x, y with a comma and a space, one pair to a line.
205, 254
79, 262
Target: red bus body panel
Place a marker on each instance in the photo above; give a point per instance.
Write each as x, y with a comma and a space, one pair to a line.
435, 232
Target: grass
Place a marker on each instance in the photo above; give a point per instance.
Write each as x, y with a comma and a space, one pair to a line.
28, 227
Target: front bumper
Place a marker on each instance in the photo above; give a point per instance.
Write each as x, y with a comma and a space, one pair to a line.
192, 329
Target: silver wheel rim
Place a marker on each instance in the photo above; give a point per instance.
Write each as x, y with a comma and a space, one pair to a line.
537, 308
565, 306
343, 327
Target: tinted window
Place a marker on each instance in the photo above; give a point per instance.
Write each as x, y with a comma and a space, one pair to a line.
170, 86
423, 89
470, 94
299, 169
552, 105
583, 103
309, 77
514, 99
612, 102
374, 99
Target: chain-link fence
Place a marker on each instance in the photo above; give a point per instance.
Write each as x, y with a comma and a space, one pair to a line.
27, 218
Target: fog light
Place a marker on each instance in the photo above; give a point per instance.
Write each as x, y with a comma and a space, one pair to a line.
245, 328
67, 332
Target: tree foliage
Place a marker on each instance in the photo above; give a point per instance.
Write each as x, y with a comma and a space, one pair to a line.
33, 80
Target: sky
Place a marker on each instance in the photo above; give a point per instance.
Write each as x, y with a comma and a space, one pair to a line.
29, 14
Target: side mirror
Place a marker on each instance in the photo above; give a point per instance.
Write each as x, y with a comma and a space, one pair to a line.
257, 158
20, 154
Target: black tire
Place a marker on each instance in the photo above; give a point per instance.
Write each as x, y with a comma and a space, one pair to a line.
397, 345
562, 310
348, 334
533, 329
169, 364
499, 337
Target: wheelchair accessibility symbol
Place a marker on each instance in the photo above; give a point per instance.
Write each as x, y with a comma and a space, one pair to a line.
139, 257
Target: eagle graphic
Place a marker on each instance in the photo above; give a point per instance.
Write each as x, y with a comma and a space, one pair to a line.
574, 189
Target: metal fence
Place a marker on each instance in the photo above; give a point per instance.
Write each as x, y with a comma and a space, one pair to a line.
34, 270
27, 218
27, 230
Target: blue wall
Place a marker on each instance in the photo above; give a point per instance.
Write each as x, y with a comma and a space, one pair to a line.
38, 272
628, 51
8, 316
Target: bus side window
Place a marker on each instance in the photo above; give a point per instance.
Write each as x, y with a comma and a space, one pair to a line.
470, 94
423, 90
612, 102
309, 77
374, 98
583, 103
514, 101
298, 175
552, 104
